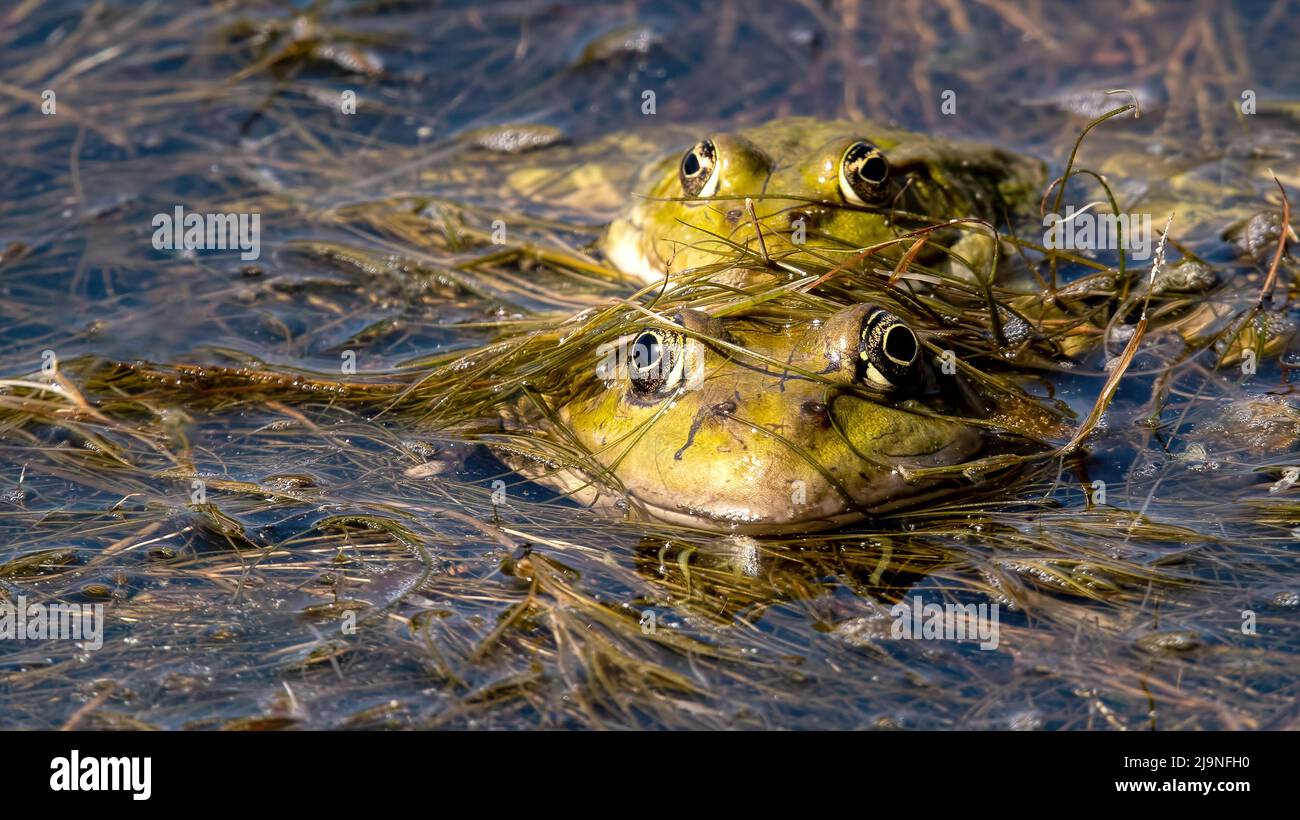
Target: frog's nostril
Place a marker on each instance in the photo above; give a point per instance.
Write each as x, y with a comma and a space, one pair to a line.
800, 217
815, 412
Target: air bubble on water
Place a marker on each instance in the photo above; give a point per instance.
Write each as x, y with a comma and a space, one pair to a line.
1015, 330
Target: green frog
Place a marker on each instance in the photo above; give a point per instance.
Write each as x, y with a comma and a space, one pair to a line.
816, 188
742, 428
671, 198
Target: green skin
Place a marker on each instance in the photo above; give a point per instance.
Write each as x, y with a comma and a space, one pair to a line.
795, 164
739, 449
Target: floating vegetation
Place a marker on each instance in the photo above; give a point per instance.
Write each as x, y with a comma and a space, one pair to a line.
318, 489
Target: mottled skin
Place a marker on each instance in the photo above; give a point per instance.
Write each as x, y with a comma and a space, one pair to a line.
756, 448
791, 169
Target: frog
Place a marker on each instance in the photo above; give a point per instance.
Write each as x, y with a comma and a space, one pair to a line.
800, 188
668, 198
739, 427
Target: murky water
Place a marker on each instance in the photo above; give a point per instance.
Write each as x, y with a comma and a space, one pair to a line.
296, 560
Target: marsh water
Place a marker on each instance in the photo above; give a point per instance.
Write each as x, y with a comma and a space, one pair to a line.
276, 551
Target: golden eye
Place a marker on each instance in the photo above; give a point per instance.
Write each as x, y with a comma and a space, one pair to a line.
863, 173
699, 171
888, 350
656, 359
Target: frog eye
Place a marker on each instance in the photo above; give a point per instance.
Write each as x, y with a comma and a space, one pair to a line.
863, 172
888, 350
699, 171
656, 360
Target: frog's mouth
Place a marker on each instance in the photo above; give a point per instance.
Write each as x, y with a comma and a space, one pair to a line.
768, 510
746, 522
765, 512
740, 523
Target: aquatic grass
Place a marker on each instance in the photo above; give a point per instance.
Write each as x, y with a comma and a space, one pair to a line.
1060, 182
532, 612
